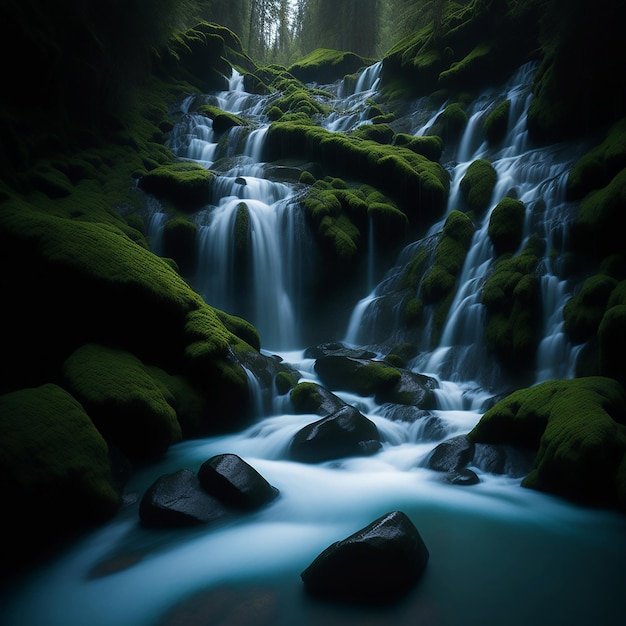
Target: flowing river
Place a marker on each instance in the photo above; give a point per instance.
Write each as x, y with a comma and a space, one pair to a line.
499, 553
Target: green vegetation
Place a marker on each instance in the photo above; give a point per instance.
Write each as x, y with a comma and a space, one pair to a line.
506, 225
326, 66
577, 427
477, 185
495, 123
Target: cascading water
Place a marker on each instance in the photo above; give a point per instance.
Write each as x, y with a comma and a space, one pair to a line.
499, 553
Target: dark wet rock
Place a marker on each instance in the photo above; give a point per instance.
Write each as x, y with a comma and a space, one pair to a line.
503, 459
463, 477
379, 563
402, 412
412, 389
308, 397
176, 500
451, 455
337, 349
347, 432
235, 483
362, 376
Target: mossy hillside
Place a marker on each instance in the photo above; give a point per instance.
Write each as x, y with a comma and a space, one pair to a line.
439, 284
412, 277
612, 343
600, 165
295, 98
186, 185
511, 296
477, 43
506, 225
132, 409
417, 185
577, 427
496, 123
325, 66
54, 466
180, 243
477, 185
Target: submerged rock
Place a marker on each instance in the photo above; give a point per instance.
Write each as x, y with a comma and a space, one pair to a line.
176, 500
235, 483
379, 563
346, 432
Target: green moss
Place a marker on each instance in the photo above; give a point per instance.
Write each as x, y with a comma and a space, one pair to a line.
306, 178
242, 230
389, 223
506, 225
597, 231
612, 341
187, 185
511, 297
413, 312
130, 408
180, 243
380, 133
429, 146
437, 286
477, 185
284, 382
450, 124
53, 460
600, 165
325, 66
462, 73
584, 311
222, 120
417, 185
577, 426
496, 123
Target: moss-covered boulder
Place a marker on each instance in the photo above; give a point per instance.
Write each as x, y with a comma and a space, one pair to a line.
496, 123
506, 225
511, 296
186, 185
55, 469
430, 146
477, 185
597, 231
222, 120
584, 311
439, 282
131, 409
595, 169
450, 123
362, 376
309, 397
578, 429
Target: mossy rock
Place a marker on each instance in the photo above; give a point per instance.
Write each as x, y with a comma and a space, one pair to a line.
506, 225
54, 466
130, 408
363, 377
309, 397
597, 231
612, 342
430, 146
380, 133
389, 223
584, 311
496, 123
186, 185
511, 296
576, 425
438, 284
222, 120
600, 165
180, 243
450, 124
478, 184
324, 65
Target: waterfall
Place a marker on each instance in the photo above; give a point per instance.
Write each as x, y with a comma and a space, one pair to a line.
499, 552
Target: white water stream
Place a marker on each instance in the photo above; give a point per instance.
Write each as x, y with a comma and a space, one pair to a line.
499, 553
